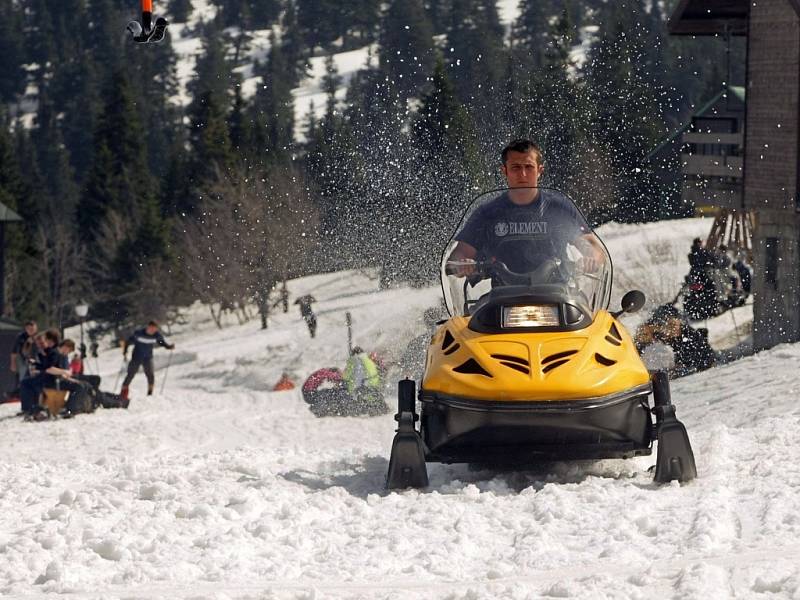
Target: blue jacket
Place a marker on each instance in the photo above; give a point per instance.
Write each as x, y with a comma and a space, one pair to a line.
143, 344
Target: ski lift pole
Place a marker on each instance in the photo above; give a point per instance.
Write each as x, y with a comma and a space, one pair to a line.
349, 320
166, 372
145, 31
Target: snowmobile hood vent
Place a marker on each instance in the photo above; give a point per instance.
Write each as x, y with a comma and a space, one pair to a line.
614, 338
513, 362
448, 339
606, 362
556, 360
472, 367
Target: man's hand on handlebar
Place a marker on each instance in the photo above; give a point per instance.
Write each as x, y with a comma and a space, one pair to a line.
461, 268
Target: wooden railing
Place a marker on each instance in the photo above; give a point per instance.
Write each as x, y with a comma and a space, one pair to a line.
708, 165
732, 139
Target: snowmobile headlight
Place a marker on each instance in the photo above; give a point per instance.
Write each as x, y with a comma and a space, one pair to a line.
532, 315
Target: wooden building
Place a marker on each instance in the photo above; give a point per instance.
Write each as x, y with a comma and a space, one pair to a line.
711, 150
771, 166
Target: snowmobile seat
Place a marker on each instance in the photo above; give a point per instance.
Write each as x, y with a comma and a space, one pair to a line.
53, 400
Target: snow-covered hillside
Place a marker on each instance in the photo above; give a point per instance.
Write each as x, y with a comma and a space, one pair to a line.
218, 488
310, 94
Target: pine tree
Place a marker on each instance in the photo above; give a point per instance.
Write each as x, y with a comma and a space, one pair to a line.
209, 139
361, 20
118, 179
264, 12
240, 125
12, 49
180, 10
293, 47
273, 106
213, 72
628, 112
105, 43
154, 69
407, 54
437, 14
530, 31
22, 288
60, 192
321, 21
448, 158
475, 56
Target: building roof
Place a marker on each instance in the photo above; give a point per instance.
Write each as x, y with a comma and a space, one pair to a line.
6, 214
736, 90
713, 17
709, 17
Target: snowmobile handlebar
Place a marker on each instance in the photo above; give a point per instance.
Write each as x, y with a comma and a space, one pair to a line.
483, 269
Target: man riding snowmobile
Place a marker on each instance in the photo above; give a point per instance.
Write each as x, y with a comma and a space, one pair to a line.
532, 365
525, 226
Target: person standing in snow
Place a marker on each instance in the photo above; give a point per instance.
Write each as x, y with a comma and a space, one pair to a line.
143, 341
307, 313
21, 352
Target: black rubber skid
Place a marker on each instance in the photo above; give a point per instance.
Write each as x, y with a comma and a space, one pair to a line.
407, 462
675, 459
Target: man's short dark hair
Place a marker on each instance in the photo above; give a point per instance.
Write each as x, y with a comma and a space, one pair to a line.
30, 324
153, 324
523, 146
54, 336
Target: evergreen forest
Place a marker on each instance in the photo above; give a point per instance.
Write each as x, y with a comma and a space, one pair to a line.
143, 190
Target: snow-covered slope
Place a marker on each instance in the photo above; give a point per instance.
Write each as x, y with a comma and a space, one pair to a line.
218, 488
309, 95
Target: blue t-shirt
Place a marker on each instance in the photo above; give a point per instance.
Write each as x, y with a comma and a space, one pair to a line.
523, 236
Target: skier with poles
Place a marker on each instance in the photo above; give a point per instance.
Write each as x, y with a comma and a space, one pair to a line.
143, 341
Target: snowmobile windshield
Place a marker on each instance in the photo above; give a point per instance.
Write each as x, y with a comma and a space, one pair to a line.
535, 239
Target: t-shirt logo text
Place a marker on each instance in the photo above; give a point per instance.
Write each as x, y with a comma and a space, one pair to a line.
521, 228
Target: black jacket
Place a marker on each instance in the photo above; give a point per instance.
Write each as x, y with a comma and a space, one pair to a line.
50, 357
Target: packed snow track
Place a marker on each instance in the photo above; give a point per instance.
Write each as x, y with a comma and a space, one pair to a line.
218, 489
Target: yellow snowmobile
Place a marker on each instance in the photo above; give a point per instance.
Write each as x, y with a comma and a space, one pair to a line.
531, 365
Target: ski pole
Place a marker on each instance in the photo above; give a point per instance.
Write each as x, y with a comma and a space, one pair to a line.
166, 372
121, 369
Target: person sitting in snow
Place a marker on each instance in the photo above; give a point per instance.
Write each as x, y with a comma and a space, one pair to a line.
143, 341
690, 346
42, 374
325, 393
80, 392
363, 382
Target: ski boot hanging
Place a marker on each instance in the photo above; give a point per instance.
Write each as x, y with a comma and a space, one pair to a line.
145, 31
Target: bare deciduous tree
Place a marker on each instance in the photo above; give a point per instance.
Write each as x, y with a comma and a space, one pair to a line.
253, 231
63, 275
